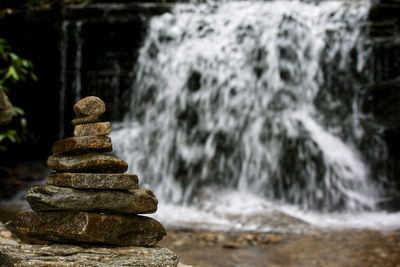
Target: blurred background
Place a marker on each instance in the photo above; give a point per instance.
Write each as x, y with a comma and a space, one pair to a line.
250, 116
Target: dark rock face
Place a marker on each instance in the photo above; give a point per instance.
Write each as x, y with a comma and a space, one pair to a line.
117, 181
91, 162
82, 144
383, 101
86, 119
52, 198
381, 96
90, 106
68, 255
384, 32
100, 128
91, 228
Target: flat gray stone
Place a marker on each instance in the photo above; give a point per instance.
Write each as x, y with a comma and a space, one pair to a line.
82, 144
99, 128
74, 256
53, 198
93, 180
92, 162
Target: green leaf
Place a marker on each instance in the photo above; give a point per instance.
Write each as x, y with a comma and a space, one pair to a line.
14, 57
25, 63
34, 77
12, 73
18, 111
12, 138
23, 122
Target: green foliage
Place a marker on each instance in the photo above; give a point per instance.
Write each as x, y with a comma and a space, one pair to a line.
14, 69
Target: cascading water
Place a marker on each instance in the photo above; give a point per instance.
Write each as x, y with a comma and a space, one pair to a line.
77, 83
242, 109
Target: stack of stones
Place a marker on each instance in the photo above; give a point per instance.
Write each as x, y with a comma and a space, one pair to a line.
89, 199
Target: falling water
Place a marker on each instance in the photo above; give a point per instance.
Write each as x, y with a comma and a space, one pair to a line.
76, 85
63, 76
242, 109
78, 61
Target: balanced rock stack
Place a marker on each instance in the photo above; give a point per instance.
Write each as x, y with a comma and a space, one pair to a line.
88, 198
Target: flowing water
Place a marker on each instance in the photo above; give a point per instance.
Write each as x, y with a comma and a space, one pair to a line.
246, 115
245, 112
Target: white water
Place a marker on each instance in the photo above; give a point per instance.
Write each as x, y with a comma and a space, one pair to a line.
77, 83
235, 124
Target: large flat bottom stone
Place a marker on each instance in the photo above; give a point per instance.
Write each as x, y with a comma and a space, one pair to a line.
84, 227
68, 256
53, 198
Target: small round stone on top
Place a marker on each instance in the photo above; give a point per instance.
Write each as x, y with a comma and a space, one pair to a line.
89, 106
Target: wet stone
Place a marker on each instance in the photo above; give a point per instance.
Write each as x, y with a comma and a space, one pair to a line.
94, 180
91, 228
86, 119
82, 144
69, 255
53, 198
91, 105
100, 128
92, 162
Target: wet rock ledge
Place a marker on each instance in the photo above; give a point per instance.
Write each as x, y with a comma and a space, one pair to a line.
13, 253
69, 255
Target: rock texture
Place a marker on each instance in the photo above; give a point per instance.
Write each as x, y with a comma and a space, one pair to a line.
82, 144
94, 180
6, 237
52, 198
92, 162
91, 105
91, 228
86, 119
71, 256
99, 128
6, 109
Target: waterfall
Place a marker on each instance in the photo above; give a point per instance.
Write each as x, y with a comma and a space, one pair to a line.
76, 85
63, 75
78, 61
247, 106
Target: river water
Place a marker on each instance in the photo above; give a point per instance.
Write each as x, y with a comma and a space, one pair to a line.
246, 115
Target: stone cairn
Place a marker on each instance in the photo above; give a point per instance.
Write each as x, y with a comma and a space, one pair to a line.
89, 198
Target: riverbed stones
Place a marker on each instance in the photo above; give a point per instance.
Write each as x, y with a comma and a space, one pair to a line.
53, 198
92, 162
89, 198
90, 106
88, 129
82, 144
119, 181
